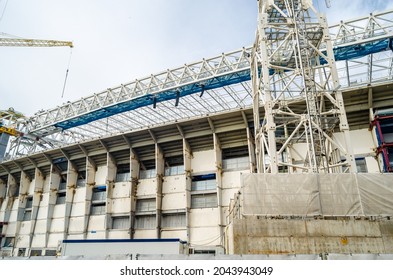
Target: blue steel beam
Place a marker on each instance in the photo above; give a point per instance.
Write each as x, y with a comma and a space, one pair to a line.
341, 53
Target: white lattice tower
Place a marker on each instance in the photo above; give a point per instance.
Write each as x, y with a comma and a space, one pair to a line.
294, 77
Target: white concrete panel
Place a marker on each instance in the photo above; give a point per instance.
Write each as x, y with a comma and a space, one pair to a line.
31, 187
38, 241
76, 225
75, 236
42, 212
11, 228
181, 234
372, 165
15, 205
78, 209
232, 179
23, 241
118, 234
57, 225
59, 211
54, 239
203, 161
362, 141
14, 214
174, 184
96, 223
101, 174
25, 227
172, 201
121, 189
95, 234
121, 205
40, 226
145, 233
80, 194
204, 217
45, 198
298, 151
228, 194
1, 215
204, 236
146, 187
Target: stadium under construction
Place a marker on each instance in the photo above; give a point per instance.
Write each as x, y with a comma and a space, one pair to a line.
284, 148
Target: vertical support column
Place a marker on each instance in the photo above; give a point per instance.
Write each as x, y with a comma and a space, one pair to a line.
218, 160
187, 155
344, 126
24, 192
3, 191
134, 169
251, 151
110, 183
12, 187
90, 183
37, 198
159, 179
51, 190
72, 176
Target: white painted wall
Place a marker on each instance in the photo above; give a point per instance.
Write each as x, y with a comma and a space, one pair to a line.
203, 162
146, 187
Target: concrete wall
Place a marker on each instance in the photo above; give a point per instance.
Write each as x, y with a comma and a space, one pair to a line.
271, 236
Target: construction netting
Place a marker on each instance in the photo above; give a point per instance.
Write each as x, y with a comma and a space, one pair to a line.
362, 194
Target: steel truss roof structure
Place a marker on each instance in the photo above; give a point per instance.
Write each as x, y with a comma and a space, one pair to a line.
362, 48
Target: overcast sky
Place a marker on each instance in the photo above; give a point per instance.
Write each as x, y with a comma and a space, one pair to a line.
117, 41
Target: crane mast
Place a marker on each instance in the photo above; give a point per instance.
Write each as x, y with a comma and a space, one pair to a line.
295, 80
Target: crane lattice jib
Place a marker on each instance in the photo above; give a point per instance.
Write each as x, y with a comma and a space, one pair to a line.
12, 42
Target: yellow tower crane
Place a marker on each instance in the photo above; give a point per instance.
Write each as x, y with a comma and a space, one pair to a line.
21, 42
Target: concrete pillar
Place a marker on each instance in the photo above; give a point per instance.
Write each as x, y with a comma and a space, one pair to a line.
23, 196
90, 184
134, 169
72, 177
160, 166
218, 160
187, 155
110, 183
51, 189
3, 192
37, 198
251, 151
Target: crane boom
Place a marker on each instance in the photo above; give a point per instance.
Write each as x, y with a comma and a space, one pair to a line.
13, 42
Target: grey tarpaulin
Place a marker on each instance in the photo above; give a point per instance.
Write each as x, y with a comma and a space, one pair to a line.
317, 194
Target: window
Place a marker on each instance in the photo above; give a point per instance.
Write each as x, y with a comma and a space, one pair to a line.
9, 242
50, 252
62, 186
99, 193
147, 174
361, 165
240, 163
80, 183
146, 205
28, 208
123, 173
145, 222
204, 182
235, 158
61, 198
174, 220
122, 222
208, 200
35, 253
98, 208
174, 170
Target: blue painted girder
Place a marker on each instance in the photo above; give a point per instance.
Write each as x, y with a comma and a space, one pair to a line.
340, 53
